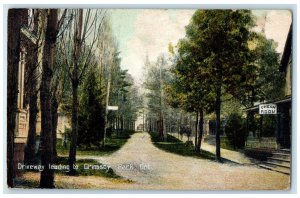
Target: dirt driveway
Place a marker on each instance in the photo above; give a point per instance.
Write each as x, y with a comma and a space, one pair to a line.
151, 168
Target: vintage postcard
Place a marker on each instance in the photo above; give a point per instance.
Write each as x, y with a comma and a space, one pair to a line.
149, 99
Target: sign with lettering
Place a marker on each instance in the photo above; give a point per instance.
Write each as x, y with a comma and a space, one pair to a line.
267, 109
112, 108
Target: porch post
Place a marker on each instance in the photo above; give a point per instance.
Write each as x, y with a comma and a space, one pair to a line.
278, 131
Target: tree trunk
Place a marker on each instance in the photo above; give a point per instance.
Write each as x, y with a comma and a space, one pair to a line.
47, 175
143, 119
72, 153
122, 124
75, 84
200, 131
54, 114
218, 111
164, 128
118, 125
106, 104
54, 109
13, 52
196, 132
29, 154
30, 150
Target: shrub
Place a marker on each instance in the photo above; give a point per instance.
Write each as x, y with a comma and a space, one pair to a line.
235, 130
269, 125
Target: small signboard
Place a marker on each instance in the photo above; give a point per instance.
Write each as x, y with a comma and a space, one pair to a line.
112, 108
267, 109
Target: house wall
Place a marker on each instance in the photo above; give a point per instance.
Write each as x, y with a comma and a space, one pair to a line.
22, 118
62, 124
288, 79
22, 114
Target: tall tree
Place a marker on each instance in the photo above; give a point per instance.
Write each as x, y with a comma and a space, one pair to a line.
52, 29
59, 89
91, 116
33, 79
188, 90
79, 42
33, 108
125, 96
263, 79
47, 175
222, 37
108, 89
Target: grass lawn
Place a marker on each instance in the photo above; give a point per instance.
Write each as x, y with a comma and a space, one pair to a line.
174, 145
112, 144
82, 171
31, 178
87, 168
94, 172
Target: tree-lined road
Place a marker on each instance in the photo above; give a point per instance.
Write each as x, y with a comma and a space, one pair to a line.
151, 168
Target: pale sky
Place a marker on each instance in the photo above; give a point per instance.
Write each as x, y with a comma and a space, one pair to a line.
149, 31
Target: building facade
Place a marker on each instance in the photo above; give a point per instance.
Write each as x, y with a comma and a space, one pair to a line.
280, 136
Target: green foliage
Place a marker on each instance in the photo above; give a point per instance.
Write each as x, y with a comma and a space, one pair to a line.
269, 125
124, 95
91, 112
221, 59
102, 64
215, 40
222, 39
262, 79
174, 145
235, 130
269, 80
158, 77
231, 106
219, 41
111, 145
226, 144
23, 183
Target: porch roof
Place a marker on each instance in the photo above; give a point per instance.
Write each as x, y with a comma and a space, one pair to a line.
255, 107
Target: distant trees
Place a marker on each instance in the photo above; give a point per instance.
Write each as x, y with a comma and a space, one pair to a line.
124, 95
157, 76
